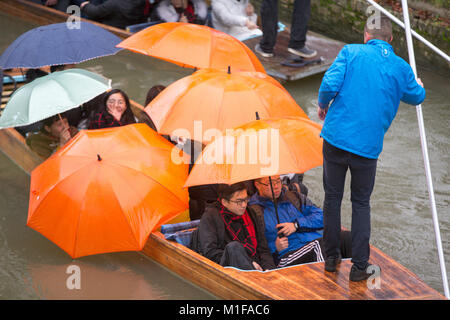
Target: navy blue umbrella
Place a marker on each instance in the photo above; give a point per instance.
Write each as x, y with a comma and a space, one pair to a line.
56, 44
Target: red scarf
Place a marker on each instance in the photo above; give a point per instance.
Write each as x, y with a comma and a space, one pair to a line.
240, 228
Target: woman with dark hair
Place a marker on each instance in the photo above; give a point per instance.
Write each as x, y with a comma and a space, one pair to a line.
114, 112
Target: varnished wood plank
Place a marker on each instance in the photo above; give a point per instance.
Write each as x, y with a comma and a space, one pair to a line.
44, 15
13, 145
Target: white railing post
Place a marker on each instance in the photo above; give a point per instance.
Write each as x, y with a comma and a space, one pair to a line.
426, 160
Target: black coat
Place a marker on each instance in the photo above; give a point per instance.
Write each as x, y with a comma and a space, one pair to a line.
117, 13
213, 238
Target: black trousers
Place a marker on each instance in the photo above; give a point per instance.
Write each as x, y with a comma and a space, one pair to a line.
235, 255
269, 20
336, 162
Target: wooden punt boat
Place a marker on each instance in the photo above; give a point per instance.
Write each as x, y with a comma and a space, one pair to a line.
327, 48
308, 281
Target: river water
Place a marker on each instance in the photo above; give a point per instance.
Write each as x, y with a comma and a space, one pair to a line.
31, 267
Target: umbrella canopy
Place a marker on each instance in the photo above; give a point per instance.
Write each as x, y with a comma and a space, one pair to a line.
56, 44
258, 149
220, 101
193, 46
107, 190
52, 94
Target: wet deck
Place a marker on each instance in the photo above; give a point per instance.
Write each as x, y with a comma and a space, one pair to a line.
326, 48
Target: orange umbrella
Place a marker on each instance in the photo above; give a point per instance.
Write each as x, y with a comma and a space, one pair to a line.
211, 99
107, 190
193, 46
258, 149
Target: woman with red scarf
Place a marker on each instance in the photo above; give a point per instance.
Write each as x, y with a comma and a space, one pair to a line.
231, 234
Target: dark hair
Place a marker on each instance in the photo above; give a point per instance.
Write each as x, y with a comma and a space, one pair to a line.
51, 120
381, 30
153, 92
128, 116
58, 67
226, 191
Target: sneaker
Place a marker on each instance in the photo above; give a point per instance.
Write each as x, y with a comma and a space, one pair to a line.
357, 274
332, 263
304, 52
263, 53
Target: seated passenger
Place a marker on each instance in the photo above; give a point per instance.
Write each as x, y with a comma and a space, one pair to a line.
231, 234
114, 112
54, 134
299, 227
235, 17
60, 5
189, 11
116, 13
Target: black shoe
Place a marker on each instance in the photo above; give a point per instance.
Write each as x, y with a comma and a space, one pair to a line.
304, 52
357, 274
332, 263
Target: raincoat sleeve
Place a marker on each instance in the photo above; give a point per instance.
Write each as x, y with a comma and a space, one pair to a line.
333, 79
414, 93
311, 217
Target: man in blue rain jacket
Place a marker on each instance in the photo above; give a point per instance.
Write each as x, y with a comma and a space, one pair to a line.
297, 237
365, 83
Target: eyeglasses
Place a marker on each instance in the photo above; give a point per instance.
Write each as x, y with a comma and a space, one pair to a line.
240, 202
112, 101
274, 183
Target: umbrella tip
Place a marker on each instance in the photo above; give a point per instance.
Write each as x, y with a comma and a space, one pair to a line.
257, 115
229, 69
99, 158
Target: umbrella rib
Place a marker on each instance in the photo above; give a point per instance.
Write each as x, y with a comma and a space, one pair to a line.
147, 176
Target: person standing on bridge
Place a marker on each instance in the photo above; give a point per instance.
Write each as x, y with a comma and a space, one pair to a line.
366, 83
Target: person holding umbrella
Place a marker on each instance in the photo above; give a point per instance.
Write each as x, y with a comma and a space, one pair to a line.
54, 134
293, 224
231, 234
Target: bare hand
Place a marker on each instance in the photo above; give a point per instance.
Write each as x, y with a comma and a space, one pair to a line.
83, 4
64, 136
251, 25
51, 2
287, 228
183, 18
321, 113
281, 243
420, 82
257, 266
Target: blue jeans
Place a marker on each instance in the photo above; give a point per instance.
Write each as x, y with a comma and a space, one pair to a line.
269, 21
336, 162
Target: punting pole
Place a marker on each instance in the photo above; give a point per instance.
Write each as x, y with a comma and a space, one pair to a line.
426, 160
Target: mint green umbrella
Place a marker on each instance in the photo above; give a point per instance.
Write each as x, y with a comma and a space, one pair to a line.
50, 95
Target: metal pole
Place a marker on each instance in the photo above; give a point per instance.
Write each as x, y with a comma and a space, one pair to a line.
415, 34
437, 232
